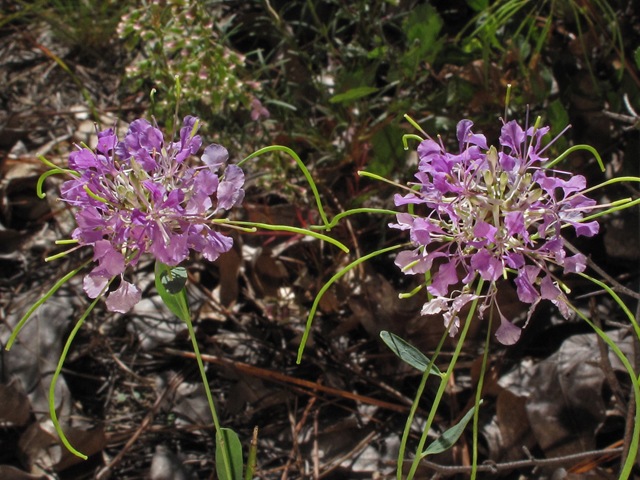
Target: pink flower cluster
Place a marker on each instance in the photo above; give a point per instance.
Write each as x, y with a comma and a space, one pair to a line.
491, 213
140, 196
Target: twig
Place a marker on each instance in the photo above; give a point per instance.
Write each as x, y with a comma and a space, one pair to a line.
446, 470
604, 357
616, 286
174, 381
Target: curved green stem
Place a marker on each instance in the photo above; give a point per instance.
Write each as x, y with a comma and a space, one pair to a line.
305, 171
412, 136
346, 213
56, 167
46, 296
635, 440
286, 228
443, 384
54, 379
416, 402
216, 422
326, 286
43, 177
573, 149
618, 300
609, 182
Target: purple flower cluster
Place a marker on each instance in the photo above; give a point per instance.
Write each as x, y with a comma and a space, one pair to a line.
140, 196
491, 213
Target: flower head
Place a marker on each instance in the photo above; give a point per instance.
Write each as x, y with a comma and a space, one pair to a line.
139, 196
493, 212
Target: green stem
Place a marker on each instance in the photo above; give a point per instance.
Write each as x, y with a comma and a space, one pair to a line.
46, 296
443, 384
474, 463
219, 437
416, 401
305, 171
629, 203
411, 136
573, 149
326, 286
635, 440
54, 379
286, 228
340, 216
618, 300
43, 177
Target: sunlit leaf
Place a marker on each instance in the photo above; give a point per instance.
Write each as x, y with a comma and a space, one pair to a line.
176, 302
408, 353
235, 452
173, 279
448, 438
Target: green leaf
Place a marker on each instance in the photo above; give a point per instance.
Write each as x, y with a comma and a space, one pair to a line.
176, 302
408, 353
637, 56
478, 5
448, 438
353, 94
234, 447
173, 279
280, 104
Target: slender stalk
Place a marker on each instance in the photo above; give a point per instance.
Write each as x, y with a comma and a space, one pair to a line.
305, 171
339, 216
573, 149
46, 296
326, 286
474, 463
416, 401
54, 379
216, 422
443, 384
635, 439
285, 228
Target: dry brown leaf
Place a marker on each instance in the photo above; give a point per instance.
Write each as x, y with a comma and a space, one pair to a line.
15, 407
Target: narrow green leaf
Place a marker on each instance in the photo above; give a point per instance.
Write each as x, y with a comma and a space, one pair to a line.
408, 353
280, 104
353, 94
637, 57
173, 279
451, 436
234, 447
176, 302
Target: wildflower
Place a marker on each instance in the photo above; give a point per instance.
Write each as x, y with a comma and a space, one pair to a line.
139, 196
492, 212
257, 110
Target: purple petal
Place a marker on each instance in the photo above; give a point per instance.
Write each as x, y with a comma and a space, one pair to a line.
548, 289
434, 306
109, 259
230, 192
588, 229
94, 284
575, 264
215, 156
490, 267
124, 298
83, 159
512, 136
446, 276
526, 292
507, 333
